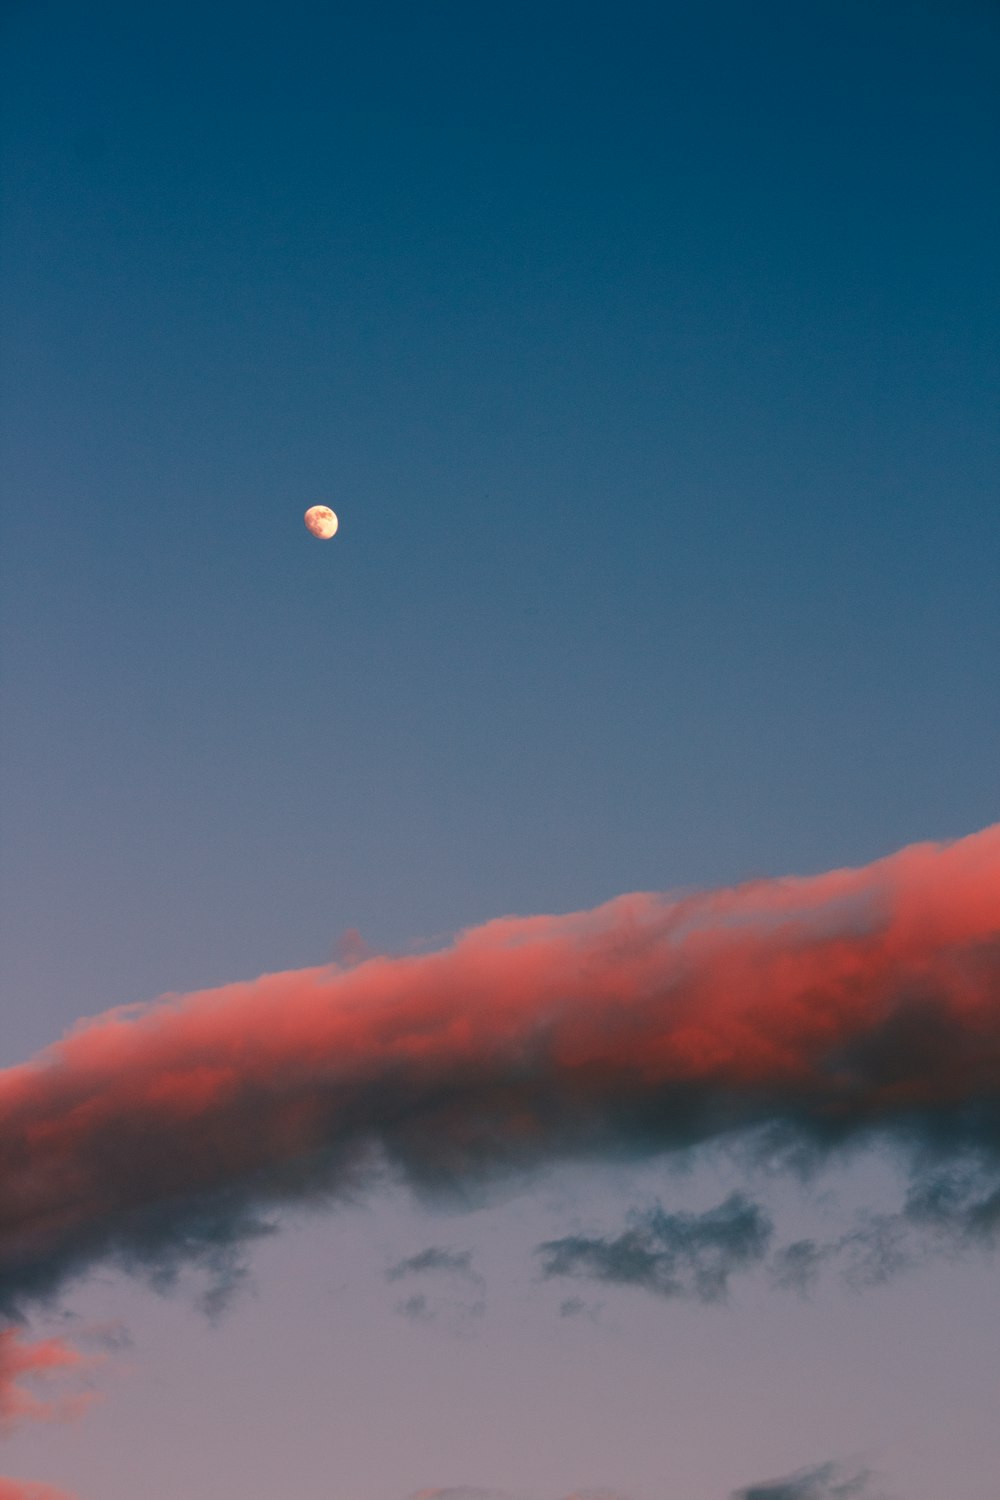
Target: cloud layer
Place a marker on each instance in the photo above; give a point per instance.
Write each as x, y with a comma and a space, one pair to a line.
808, 1011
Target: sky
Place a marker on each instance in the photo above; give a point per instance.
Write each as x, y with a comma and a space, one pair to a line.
648, 356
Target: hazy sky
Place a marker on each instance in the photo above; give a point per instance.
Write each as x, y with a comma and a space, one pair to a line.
648, 354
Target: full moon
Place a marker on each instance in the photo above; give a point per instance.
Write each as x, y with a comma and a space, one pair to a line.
321, 521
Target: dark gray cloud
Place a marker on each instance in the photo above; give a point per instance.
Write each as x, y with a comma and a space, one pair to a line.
946, 1211
796, 1267
438, 1261
829, 1481
434, 1258
958, 1204
206, 1233
673, 1255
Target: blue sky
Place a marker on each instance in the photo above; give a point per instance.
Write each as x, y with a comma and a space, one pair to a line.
648, 354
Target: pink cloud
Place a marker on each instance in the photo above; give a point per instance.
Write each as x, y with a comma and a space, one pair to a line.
828, 1007
26, 1489
41, 1362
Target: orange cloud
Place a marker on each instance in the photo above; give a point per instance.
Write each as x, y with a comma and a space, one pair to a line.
825, 1008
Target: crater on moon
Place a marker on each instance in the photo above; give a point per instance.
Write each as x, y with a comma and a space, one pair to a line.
321, 521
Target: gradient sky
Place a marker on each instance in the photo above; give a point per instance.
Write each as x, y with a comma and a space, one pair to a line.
648, 353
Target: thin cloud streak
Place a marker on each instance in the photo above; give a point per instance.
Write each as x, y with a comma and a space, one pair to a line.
435, 1258
26, 1489
829, 1481
807, 1012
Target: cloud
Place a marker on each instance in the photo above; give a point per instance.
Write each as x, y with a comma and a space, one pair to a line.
416, 1307
41, 1362
694, 1255
828, 1481
576, 1307
25, 1489
673, 1255
438, 1261
804, 1012
796, 1267
946, 1211
434, 1258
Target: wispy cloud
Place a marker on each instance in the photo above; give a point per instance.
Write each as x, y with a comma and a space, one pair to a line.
434, 1258
44, 1363
39, 1382
814, 1012
437, 1261
946, 1211
673, 1255
829, 1481
578, 1307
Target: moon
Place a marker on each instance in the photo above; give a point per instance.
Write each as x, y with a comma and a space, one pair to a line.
321, 521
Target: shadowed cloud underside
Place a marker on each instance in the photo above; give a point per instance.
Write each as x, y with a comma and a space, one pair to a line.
818, 1010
